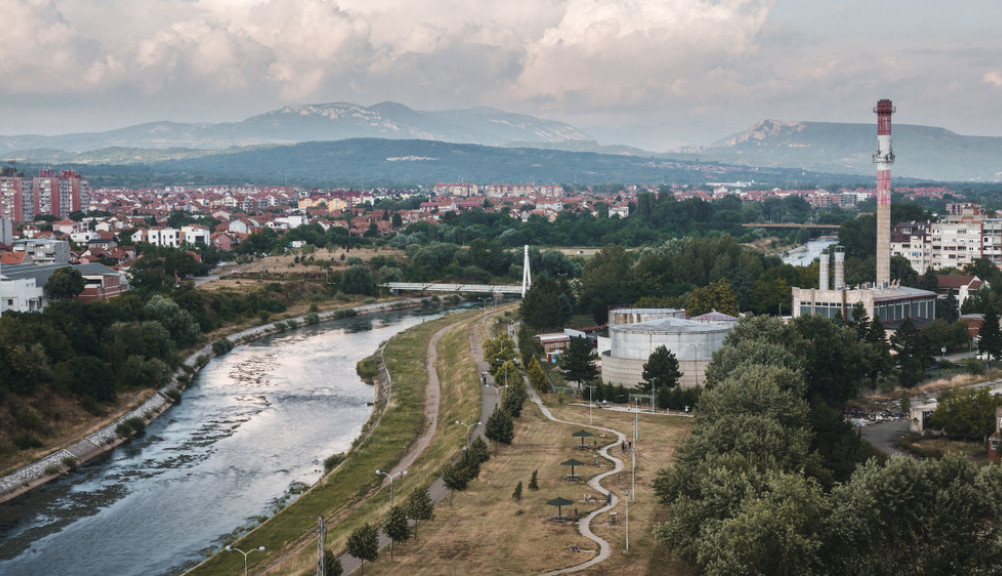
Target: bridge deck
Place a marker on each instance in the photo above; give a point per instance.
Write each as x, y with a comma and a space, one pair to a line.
436, 287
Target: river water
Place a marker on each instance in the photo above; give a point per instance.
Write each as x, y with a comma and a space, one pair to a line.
255, 423
805, 254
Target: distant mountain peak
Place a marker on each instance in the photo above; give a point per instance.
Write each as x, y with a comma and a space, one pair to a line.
766, 130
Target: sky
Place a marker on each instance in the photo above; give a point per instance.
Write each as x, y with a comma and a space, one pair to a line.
651, 73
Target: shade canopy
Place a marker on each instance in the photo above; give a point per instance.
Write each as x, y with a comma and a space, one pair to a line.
572, 463
560, 503
582, 434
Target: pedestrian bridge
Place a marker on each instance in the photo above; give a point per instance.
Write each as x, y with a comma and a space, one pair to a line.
519, 289
436, 287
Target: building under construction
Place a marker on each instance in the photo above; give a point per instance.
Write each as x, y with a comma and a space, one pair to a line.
883, 300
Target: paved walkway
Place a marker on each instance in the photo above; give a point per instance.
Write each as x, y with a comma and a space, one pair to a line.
584, 524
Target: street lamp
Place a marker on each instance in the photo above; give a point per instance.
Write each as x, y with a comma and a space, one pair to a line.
232, 549
468, 427
590, 401
627, 520
390, 476
504, 363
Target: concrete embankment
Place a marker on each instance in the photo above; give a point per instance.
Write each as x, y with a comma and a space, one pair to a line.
52, 465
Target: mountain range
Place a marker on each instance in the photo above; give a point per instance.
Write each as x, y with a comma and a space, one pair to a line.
923, 152
315, 122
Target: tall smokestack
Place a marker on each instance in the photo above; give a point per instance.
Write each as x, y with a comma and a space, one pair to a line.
883, 158
823, 272
839, 268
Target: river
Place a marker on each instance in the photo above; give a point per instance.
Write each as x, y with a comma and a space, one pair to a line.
804, 255
254, 424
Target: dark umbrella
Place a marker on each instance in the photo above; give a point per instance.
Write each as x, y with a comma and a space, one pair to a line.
572, 463
560, 503
582, 434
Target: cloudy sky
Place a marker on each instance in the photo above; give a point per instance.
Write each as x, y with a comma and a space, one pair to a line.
653, 73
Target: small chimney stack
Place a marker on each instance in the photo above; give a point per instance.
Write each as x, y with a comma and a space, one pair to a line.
823, 283
839, 268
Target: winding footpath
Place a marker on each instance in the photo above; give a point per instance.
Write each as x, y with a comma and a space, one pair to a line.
584, 524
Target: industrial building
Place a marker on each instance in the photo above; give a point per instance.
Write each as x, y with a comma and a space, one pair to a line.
889, 302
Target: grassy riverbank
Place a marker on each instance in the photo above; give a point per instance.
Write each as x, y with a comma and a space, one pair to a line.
340, 496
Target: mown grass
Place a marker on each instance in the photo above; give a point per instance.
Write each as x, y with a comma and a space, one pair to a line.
340, 493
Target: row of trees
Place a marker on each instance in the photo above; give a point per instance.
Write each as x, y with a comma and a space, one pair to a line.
363, 542
768, 481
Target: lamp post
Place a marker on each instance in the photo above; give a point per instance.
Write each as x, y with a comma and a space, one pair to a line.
627, 520
232, 549
468, 427
633, 454
390, 476
590, 401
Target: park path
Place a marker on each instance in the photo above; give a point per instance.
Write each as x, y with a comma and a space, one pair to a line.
584, 524
437, 490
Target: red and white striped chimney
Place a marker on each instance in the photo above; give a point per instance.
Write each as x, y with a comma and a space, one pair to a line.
883, 158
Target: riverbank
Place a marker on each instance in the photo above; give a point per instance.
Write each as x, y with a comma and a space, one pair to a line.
64, 460
350, 494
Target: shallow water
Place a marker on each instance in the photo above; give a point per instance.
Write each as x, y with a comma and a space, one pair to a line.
255, 423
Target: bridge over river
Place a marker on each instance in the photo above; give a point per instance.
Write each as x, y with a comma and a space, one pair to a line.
519, 289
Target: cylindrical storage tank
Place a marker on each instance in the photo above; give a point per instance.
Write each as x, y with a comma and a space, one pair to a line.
637, 315
631, 345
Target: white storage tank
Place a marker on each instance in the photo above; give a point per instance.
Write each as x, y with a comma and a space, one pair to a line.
631, 345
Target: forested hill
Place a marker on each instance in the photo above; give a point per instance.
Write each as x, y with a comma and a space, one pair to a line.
377, 162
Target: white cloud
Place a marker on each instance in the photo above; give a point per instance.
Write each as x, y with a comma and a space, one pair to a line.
993, 77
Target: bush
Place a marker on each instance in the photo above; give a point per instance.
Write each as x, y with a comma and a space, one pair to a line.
174, 394
368, 369
28, 419
129, 426
222, 346
281, 327
202, 360
26, 440
332, 461
292, 323
70, 463
312, 319
51, 470
346, 313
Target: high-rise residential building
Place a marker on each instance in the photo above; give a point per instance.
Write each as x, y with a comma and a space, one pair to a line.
12, 195
58, 194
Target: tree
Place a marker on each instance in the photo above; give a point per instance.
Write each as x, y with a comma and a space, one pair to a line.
456, 479
929, 281
966, 413
179, 322
357, 279
332, 564
715, 296
546, 305
933, 516
534, 481
660, 371
395, 526
500, 428
948, 308
990, 335
517, 494
420, 507
64, 284
912, 353
363, 543
578, 362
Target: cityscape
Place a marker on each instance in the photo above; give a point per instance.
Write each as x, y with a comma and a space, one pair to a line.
644, 288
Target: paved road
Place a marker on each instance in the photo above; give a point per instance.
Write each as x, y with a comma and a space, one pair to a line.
884, 435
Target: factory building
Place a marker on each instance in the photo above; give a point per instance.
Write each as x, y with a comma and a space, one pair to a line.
885, 300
